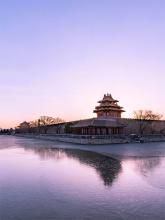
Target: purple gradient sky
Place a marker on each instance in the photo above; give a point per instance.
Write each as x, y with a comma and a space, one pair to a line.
58, 58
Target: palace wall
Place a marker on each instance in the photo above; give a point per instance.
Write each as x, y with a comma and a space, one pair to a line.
53, 129
132, 126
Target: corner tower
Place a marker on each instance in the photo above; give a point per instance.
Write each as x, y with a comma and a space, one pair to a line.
108, 107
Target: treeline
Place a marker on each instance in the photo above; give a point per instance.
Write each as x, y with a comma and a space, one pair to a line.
147, 120
36, 125
7, 131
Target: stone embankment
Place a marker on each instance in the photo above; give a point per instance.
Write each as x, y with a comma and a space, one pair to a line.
95, 140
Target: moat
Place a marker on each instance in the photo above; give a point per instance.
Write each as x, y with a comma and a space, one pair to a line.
40, 180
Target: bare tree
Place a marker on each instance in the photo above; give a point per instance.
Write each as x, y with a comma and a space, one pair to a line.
146, 118
44, 121
24, 127
37, 125
34, 126
146, 115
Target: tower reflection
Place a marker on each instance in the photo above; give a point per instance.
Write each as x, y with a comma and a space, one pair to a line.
107, 168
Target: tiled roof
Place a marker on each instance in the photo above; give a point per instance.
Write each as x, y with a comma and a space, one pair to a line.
108, 104
98, 122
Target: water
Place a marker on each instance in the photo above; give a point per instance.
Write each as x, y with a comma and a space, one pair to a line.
40, 182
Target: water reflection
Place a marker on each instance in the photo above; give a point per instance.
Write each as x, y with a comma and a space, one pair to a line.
151, 170
148, 165
107, 168
40, 182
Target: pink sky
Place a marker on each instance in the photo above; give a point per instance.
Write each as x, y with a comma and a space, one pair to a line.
58, 58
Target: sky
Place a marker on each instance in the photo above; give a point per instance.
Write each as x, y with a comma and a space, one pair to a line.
59, 57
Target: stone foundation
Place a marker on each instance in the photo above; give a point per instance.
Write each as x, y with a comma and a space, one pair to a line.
95, 140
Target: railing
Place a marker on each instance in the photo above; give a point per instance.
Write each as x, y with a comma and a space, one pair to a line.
120, 136
114, 136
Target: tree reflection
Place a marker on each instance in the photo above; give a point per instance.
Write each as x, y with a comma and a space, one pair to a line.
147, 165
107, 168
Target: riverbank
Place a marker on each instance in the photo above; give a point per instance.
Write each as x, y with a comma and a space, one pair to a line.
96, 140
154, 149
